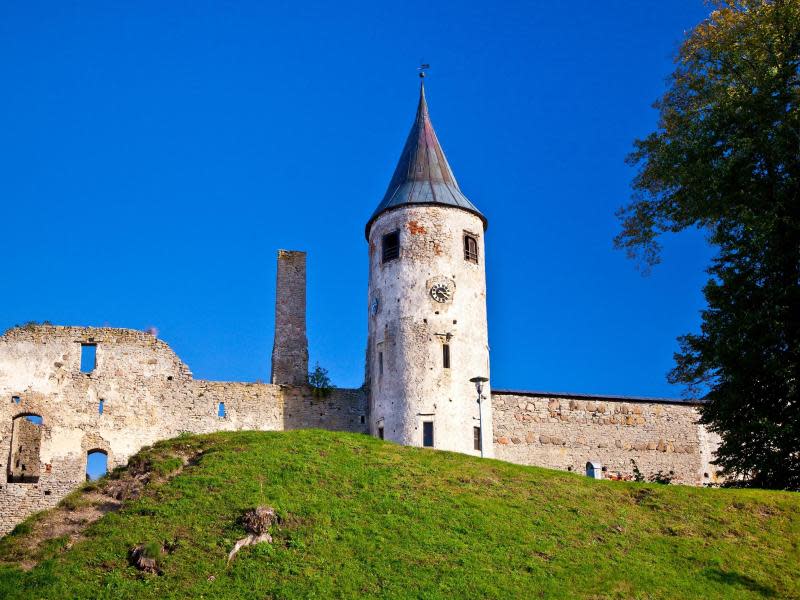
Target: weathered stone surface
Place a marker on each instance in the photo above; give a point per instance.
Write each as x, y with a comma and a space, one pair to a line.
290, 349
407, 328
149, 394
658, 435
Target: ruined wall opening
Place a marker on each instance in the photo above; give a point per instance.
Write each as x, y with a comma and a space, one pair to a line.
221, 410
96, 464
88, 357
26, 440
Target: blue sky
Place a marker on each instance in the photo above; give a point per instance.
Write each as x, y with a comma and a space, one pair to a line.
156, 155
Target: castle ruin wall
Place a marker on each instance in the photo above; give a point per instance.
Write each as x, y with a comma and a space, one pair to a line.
148, 395
290, 349
563, 431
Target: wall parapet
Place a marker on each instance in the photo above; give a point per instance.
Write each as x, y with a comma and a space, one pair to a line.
606, 397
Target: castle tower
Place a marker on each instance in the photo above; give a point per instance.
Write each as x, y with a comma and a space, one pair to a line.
290, 348
428, 334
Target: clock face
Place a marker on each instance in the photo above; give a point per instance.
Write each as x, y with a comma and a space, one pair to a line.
441, 292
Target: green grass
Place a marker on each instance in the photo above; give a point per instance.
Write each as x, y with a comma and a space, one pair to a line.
366, 518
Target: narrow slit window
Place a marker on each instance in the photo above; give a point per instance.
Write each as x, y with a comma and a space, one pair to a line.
446, 356
101, 407
88, 357
391, 246
427, 434
221, 410
380, 363
470, 248
476, 438
380, 433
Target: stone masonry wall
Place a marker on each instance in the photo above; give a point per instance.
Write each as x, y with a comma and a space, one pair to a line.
290, 349
148, 395
409, 383
565, 432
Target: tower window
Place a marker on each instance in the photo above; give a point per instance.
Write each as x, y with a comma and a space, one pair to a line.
470, 248
88, 357
101, 406
380, 363
427, 434
391, 246
446, 356
380, 432
476, 438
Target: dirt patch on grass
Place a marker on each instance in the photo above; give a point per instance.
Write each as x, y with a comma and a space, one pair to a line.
58, 529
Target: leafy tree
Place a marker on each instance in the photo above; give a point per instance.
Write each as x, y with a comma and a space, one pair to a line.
726, 158
319, 381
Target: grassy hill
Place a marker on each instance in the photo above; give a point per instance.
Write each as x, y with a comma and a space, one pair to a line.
364, 517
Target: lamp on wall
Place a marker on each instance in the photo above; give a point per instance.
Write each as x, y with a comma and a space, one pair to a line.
479, 381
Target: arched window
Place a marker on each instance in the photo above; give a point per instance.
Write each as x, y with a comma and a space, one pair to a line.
26, 440
470, 248
96, 464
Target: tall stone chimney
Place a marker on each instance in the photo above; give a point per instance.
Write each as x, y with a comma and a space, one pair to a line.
290, 349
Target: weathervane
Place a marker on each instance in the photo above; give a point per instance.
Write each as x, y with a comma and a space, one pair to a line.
422, 68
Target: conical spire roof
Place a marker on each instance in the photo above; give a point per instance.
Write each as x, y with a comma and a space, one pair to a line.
423, 175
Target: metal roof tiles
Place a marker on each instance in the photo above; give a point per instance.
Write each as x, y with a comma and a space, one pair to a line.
423, 175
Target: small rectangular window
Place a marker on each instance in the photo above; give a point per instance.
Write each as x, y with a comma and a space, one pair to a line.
427, 434
15, 399
221, 410
88, 357
380, 363
101, 407
476, 438
363, 419
391, 246
380, 433
446, 356
470, 248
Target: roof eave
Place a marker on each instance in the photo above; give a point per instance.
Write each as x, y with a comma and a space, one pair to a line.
388, 209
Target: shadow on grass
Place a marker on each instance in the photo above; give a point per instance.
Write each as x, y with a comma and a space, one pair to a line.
737, 579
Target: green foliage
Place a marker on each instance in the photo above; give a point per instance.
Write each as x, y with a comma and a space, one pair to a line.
320, 383
637, 474
657, 477
73, 501
151, 550
365, 518
662, 478
726, 159
23, 528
